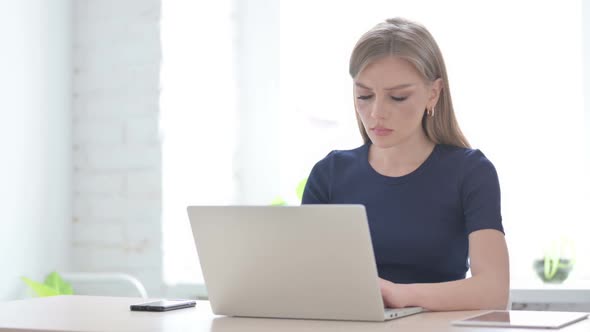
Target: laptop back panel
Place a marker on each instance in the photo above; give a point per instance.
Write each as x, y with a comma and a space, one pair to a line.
312, 261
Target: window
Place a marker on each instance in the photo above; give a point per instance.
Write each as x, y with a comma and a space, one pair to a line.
517, 89
516, 81
198, 123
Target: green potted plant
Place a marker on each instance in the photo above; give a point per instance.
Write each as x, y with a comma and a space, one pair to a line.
279, 201
557, 263
52, 286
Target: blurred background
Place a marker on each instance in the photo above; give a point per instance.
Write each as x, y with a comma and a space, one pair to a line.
117, 114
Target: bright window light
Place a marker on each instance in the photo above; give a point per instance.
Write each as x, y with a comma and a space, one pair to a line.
515, 71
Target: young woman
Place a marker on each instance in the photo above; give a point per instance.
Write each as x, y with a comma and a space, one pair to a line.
433, 203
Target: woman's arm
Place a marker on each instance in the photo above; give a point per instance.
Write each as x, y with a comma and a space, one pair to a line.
488, 288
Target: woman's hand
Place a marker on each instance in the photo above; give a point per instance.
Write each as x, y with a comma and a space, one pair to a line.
393, 294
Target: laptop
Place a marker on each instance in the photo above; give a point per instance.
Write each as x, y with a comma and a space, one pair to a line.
306, 262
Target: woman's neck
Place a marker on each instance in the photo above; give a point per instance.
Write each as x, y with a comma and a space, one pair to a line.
402, 158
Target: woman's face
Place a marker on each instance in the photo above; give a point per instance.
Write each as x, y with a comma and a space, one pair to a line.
390, 99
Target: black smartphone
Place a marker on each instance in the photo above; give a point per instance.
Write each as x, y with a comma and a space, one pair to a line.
163, 305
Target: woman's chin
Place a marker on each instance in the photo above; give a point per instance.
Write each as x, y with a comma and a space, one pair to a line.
383, 143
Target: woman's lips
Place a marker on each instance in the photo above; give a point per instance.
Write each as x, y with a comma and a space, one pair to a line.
381, 131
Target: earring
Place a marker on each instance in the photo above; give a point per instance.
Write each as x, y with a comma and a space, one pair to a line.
430, 112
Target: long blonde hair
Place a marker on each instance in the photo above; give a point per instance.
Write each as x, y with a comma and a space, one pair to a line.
411, 41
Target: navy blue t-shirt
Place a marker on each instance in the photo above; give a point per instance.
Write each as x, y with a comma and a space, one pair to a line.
419, 222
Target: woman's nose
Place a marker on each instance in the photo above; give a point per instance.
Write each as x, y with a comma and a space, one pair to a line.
379, 109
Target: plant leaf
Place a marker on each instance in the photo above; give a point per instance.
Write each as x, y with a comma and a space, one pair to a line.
278, 201
68, 289
40, 289
551, 266
52, 280
55, 281
300, 188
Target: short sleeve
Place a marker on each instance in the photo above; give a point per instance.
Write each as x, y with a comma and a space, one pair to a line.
480, 192
317, 188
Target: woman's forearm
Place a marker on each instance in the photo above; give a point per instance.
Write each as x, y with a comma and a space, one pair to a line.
488, 288
477, 292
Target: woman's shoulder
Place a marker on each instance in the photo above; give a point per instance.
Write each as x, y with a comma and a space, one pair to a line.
466, 159
340, 158
351, 154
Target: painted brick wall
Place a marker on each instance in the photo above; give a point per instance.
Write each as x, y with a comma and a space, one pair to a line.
116, 146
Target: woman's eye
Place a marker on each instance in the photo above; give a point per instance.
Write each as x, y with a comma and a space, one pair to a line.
364, 97
399, 98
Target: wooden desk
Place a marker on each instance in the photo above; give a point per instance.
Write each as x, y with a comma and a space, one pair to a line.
93, 313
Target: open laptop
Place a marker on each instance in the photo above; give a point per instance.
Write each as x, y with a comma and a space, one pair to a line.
310, 262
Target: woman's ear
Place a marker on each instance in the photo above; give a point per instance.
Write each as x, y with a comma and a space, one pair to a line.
435, 88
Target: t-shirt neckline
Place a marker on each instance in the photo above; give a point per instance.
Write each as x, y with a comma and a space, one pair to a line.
403, 178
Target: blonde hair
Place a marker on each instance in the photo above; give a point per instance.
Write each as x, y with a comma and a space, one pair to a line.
411, 41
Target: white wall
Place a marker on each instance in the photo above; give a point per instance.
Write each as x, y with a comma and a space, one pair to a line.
116, 144
586, 36
35, 141
586, 50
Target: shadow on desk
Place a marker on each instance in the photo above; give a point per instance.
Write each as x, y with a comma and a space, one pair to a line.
426, 321
220, 324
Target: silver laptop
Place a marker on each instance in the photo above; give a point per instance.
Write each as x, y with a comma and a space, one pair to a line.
311, 262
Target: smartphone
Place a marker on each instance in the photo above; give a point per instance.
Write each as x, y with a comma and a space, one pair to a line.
163, 305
